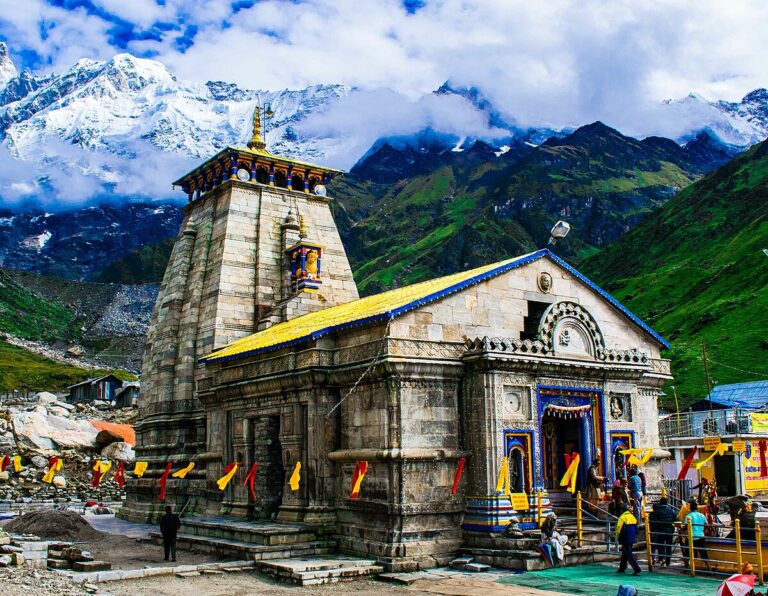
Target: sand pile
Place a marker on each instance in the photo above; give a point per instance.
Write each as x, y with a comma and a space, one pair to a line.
54, 525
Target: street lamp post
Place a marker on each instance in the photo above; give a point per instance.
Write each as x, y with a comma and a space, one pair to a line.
558, 232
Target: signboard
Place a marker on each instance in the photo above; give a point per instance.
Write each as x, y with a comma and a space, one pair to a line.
753, 482
759, 423
739, 446
711, 443
519, 501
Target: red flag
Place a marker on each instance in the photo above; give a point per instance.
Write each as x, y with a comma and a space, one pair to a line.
120, 474
357, 478
96, 478
456, 479
687, 464
250, 479
4, 463
163, 480
763, 466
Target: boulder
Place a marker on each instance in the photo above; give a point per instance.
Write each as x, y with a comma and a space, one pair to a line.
45, 398
39, 461
74, 352
5, 560
100, 404
40, 431
4, 476
119, 450
65, 405
59, 482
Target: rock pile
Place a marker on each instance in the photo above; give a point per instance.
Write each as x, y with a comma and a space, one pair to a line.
49, 427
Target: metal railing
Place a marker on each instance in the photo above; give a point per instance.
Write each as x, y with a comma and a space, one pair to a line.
705, 423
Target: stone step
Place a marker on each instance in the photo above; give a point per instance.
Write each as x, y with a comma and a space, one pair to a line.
265, 533
319, 570
258, 552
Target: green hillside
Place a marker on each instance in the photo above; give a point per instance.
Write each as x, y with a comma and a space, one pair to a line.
696, 270
27, 315
476, 207
145, 265
21, 369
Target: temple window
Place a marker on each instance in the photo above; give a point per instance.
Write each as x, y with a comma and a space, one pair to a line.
313, 181
533, 318
297, 182
280, 178
262, 175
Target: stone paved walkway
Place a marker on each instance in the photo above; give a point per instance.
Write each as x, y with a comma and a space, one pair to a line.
112, 525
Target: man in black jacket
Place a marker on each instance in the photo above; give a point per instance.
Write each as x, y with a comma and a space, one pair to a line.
662, 520
169, 526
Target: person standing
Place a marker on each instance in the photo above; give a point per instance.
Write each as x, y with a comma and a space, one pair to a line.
594, 483
626, 531
698, 524
662, 520
169, 527
636, 492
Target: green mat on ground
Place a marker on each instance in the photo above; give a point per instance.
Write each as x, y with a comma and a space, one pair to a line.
602, 580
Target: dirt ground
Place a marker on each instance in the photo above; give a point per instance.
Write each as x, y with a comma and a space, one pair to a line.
243, 584
130, 553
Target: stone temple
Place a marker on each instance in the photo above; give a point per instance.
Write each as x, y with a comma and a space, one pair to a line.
260, 350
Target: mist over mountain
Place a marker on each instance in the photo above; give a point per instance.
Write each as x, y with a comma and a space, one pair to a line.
125, 128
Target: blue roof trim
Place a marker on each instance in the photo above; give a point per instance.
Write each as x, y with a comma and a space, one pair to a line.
391, 314
632, 316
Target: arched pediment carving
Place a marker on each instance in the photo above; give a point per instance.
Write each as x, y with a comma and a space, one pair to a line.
569, 329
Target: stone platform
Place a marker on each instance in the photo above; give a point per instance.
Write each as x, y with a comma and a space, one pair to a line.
320, 570
254, 540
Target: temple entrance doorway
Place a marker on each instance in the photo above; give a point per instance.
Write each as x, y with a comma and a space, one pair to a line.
265, 450
562, 438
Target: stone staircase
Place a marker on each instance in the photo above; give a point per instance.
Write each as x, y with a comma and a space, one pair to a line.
252, 540
314, 571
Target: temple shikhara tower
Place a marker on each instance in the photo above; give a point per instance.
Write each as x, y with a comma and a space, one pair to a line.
261, 351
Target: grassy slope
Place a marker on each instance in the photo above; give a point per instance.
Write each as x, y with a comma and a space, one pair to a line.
696, 271
145, 265
29, 316
450, 219
21, 369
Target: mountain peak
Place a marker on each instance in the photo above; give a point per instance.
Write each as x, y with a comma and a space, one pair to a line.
756, 96
7, 67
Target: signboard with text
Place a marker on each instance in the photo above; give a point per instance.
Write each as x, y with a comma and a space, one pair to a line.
711, 443
519, 501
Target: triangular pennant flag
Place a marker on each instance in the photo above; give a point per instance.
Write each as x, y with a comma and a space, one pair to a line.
456, 478
5, 461
719, 450
295, 477
139, 469
164, 480
633, 453
250, 480
229, 472
184, 471
687, 464
502, 484
100, 469
357, 478
17, 467
54, 464
569, 478
120, 474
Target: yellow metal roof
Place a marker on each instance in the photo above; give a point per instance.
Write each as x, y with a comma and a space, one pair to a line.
370, 309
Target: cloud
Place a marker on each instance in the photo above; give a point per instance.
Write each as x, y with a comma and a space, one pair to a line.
70, 176
557, 63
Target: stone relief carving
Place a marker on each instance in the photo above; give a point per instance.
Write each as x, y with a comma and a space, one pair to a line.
544, 281
565, 337
619, 406
516, 401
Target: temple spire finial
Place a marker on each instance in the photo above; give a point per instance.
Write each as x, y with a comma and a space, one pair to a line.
257, 143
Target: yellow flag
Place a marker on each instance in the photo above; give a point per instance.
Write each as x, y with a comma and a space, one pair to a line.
634, 460
17, 463
49, 475
224, 480
569, 478
502, 483
721, 449
139, 469
295, 477
184, 472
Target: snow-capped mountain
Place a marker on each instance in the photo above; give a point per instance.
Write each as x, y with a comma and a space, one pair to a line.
741, 123
102, 105
7, 68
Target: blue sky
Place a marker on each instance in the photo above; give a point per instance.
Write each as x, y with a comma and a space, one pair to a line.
554, 60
